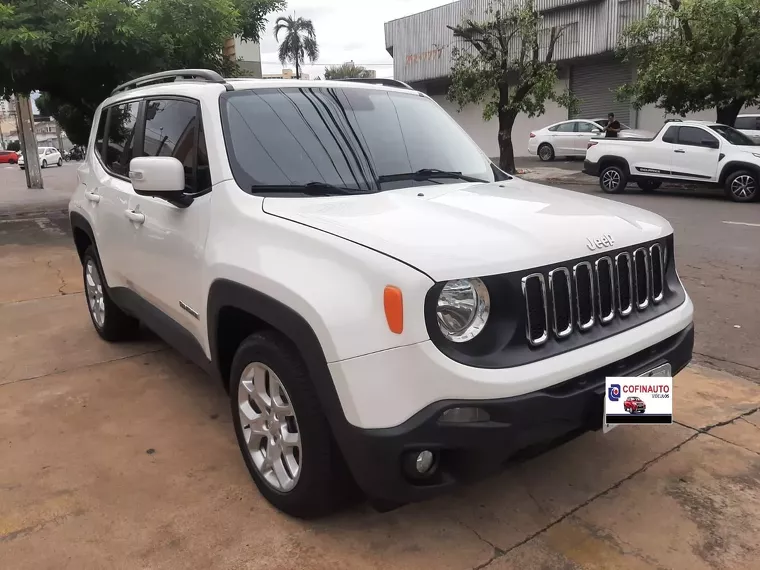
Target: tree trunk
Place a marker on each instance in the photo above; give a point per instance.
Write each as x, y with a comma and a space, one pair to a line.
298, 70
727, 115
506, 150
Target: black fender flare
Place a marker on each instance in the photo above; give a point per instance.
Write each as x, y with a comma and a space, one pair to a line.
733, 166
281, 318
611, 159
79, 222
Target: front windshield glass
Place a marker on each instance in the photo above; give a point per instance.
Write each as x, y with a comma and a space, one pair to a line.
732, 135
344, 137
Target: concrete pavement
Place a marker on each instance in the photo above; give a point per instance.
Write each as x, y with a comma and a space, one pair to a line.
123, 456
16, 198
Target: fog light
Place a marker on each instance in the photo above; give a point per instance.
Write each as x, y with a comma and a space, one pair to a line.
420, 464
464, 415
424, 461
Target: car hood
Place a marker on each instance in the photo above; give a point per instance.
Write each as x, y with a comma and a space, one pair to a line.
452, 231
755, 149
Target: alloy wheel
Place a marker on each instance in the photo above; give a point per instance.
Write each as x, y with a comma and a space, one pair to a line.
545, 153
743, 186
94, 292
611, 179
270, 427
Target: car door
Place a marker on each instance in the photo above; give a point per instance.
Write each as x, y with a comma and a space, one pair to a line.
170, 240
563, 139
585, 131
655, 157
696, 154
110, 192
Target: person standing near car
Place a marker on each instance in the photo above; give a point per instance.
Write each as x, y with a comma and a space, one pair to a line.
613, 126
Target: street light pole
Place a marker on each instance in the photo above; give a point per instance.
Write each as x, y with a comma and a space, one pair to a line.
29, 141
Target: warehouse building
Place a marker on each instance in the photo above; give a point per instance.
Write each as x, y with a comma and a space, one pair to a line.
421, 46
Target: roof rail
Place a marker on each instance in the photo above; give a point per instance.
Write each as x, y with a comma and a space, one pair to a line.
380, 81
205, 74
674, 120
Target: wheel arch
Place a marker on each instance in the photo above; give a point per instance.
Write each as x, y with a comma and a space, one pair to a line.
82, 231
612, 160
730, 167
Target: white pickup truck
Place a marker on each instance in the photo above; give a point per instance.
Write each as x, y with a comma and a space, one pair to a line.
693, 151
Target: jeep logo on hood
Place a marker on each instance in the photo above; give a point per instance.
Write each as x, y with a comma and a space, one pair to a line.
600, 243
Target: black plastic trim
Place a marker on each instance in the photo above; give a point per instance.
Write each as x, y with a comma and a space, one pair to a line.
734, 165
502, 343
525, 423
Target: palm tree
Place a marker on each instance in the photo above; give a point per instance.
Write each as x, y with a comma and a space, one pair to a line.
348, 70
300, 41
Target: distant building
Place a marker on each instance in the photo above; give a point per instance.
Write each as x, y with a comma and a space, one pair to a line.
249, 57
286, 74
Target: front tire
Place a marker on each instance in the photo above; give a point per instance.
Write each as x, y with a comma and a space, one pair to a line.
742, 186
613, 179
649, 185
282, 432
110, 322
60, 162
546, 152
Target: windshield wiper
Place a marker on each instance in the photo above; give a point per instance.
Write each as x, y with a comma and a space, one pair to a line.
428, 174
310, 188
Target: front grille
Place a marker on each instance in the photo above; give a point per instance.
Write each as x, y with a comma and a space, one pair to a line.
592, 293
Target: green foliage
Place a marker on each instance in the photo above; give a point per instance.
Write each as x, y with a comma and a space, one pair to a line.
300, 41
347, 71
505, 64
14, 145
78, 51
693, 55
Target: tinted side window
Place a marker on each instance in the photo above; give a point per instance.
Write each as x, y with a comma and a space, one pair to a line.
120, 145
671, 135
566, 127
748, 123
586, 127
171, 129
693, 136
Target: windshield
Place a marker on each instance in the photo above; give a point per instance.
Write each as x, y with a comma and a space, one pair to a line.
360, 139
732, 135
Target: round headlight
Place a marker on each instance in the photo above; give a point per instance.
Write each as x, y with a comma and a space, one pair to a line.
463, 308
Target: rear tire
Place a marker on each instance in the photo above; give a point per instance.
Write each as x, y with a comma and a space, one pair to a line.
742, 186
110, 322
613, 179
273, 401
546, 152
44, 164
649, 185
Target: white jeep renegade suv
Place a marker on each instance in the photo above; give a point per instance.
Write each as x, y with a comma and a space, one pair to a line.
387, 309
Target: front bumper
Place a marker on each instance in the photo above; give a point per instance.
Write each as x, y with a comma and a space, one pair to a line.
520, 423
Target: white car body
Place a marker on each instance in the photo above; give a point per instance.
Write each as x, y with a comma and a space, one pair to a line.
570, 138
749, 124
316, 267
48, 156
701, 152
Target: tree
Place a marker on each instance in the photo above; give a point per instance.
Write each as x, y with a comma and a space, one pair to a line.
14, 145
505, 63
693, 55
300, 41
347, 71
76, 52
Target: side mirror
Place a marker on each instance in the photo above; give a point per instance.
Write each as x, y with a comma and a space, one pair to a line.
159, 176
597, 131
710, 143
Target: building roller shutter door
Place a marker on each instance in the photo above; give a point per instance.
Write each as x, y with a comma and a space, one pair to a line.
595, 85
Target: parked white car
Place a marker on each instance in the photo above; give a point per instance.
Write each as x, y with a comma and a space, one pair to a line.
571, 138
382, 303
749, 124
48, 157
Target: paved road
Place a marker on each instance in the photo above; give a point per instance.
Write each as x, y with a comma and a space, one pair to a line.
718, 258
16, 198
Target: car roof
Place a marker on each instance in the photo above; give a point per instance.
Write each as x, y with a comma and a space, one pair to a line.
203, 89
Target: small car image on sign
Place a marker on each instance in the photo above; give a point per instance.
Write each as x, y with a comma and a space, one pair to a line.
638, 400
634, 404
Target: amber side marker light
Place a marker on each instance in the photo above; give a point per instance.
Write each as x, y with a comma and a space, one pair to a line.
393, 301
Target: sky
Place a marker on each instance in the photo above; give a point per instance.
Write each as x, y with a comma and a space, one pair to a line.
344, 32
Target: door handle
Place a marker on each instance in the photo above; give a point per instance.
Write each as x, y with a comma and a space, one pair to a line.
91, 196
680, 151
136, 217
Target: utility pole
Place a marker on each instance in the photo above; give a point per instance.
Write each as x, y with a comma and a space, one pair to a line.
26, 132
58, 136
